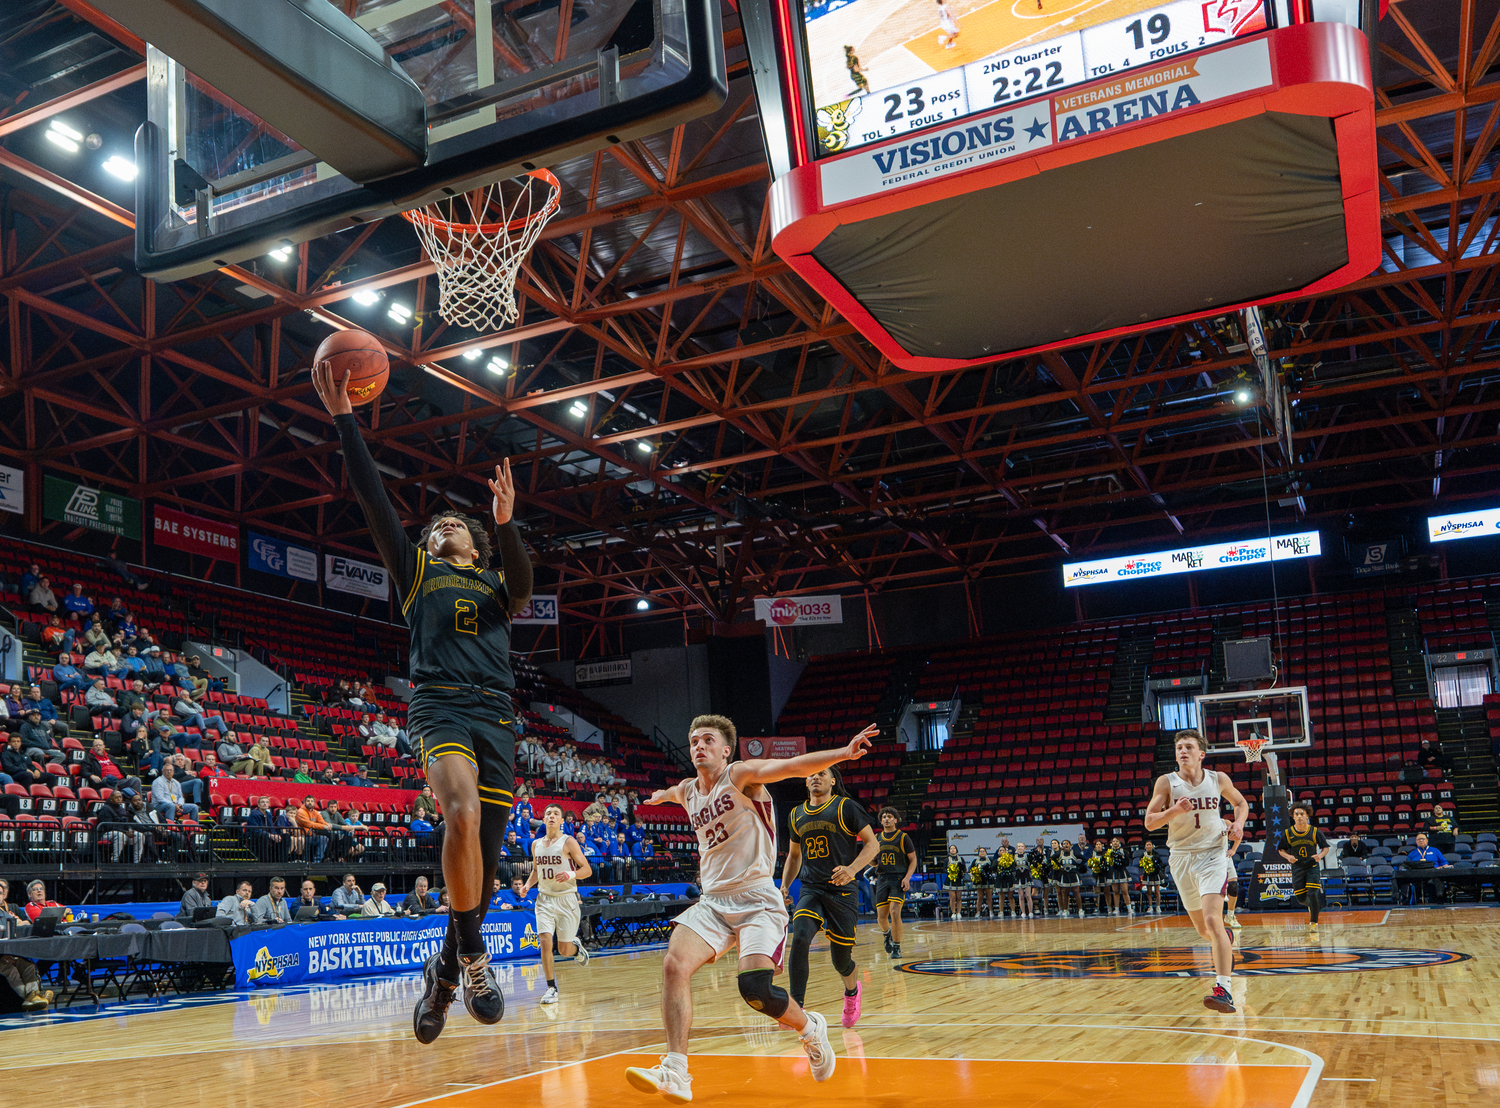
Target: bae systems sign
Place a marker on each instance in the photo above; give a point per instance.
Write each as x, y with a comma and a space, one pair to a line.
1165, 562
1470, 525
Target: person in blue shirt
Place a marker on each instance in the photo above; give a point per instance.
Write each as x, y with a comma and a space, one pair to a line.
75, 602
568, 827
520, 827
599, 838
633, 836
68, 676
1420, 863
590, 851
514, 898
626, 866
644, 855
35, 699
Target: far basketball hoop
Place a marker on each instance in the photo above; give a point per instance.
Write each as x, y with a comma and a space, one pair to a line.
1254, 724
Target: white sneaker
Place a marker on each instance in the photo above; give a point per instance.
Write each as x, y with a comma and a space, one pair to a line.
819, 1049
550, 996
676, 1087
1131, 910
581, 953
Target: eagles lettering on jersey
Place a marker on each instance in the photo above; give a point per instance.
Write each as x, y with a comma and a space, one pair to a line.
828, 836
894, 848
460, 624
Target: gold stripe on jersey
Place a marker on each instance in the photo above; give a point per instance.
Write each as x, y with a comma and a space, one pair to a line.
411, 593
842, 824
842, 940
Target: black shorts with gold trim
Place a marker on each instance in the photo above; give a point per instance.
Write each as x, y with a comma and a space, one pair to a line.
473, 723
834, 908
888, 888
1306, 875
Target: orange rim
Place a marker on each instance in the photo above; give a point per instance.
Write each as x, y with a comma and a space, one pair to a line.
452, 228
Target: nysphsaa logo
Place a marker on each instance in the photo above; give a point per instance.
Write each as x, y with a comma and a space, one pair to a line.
530, 938
270, 967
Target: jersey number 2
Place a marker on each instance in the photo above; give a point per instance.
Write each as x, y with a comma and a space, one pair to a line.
466, 616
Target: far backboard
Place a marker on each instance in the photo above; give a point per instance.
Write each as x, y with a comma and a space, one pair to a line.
1279, 715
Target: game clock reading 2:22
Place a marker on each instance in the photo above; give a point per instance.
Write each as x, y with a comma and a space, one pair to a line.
1037, 69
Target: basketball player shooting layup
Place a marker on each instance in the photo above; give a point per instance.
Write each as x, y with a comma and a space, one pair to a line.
557, 863
735, 821
832, 840
459, 613
1188, 802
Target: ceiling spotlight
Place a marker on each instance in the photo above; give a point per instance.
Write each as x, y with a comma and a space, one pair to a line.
1243, 396
283, 250
367, 297
578, 410
122, 168
643, 446
643, 605
62, 135
399, 312
63, 129
470, 355
497, 366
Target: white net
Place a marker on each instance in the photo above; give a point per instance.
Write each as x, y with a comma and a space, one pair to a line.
477, 241
1252, 748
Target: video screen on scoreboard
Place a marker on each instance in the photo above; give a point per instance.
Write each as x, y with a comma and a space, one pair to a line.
881, 68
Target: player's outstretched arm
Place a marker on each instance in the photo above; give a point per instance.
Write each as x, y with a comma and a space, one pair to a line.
396, 550
1161, 810
514, 560
669, 795
764, 771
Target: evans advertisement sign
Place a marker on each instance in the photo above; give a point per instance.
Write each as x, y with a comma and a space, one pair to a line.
1469, 525
348, 575
1163, 563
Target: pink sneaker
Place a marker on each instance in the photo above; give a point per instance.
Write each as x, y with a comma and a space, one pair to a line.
851, 1005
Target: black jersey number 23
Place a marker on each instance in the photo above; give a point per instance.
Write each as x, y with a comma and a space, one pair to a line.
817, 847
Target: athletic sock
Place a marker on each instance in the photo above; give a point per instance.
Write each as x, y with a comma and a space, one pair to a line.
467, 925
551, 984
448, 956
1223, 982
675, 1062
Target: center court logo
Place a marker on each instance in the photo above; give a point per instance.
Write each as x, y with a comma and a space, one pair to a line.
1185, 961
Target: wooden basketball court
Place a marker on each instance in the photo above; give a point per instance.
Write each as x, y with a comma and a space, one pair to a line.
1389, 1008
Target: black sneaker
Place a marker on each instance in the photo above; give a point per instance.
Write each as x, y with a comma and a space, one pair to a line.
481, 991
895, 950
1219, 1000
888, 943
431, 1012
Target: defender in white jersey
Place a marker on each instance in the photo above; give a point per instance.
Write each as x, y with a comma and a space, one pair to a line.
1189, 803
731, 811
556, 865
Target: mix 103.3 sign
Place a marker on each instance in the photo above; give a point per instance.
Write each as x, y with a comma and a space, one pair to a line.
799, 611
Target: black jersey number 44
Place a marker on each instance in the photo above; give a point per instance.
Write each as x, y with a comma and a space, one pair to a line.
828, 835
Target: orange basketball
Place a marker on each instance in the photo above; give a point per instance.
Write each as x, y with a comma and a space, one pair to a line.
362, 357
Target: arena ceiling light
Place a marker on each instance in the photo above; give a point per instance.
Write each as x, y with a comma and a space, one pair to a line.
123, 168
643, 446
62, 135
498, 365
470, 355
578, 410
399, 312
283, 251
643, 605
367, 297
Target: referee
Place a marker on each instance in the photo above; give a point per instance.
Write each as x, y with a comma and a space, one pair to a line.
461, 716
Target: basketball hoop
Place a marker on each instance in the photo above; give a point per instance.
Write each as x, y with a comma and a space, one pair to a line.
1252, 748
477, 261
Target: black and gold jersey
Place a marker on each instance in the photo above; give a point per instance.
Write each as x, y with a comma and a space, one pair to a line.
1303, 845
894, 848
460, 624
828, 835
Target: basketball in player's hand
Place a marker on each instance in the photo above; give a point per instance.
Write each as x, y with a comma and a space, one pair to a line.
361, 356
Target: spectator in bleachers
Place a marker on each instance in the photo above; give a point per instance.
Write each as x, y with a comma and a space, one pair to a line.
590, 851
366, 728
529, 754
146, 643
133, 696
328, 777
127, 629
80, 605
387, 734
153, 671
377, 905
114, 820
10, 706
643, 855
229, 749
626, 867
67, 675
203, 681
272, 908
1356, 846
159, 838
238, 904
523, 807
1431, 756
425, 806
121, 570
165, 737
347, 898
191, 714
57, 637
29, 579
517, 860
419, 902
186, 774
136, 741
39, 739
552, 763
100, 771
98, 701
360, 778
15, 766
520, 827
309, 899
516, 897
167, 799
264, 838
210, 769
40, 596
94, 635
255, 763
311, 823
341, 832
34, 699
196, 897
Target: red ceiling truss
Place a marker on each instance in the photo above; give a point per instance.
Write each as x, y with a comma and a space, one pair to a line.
784, 454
